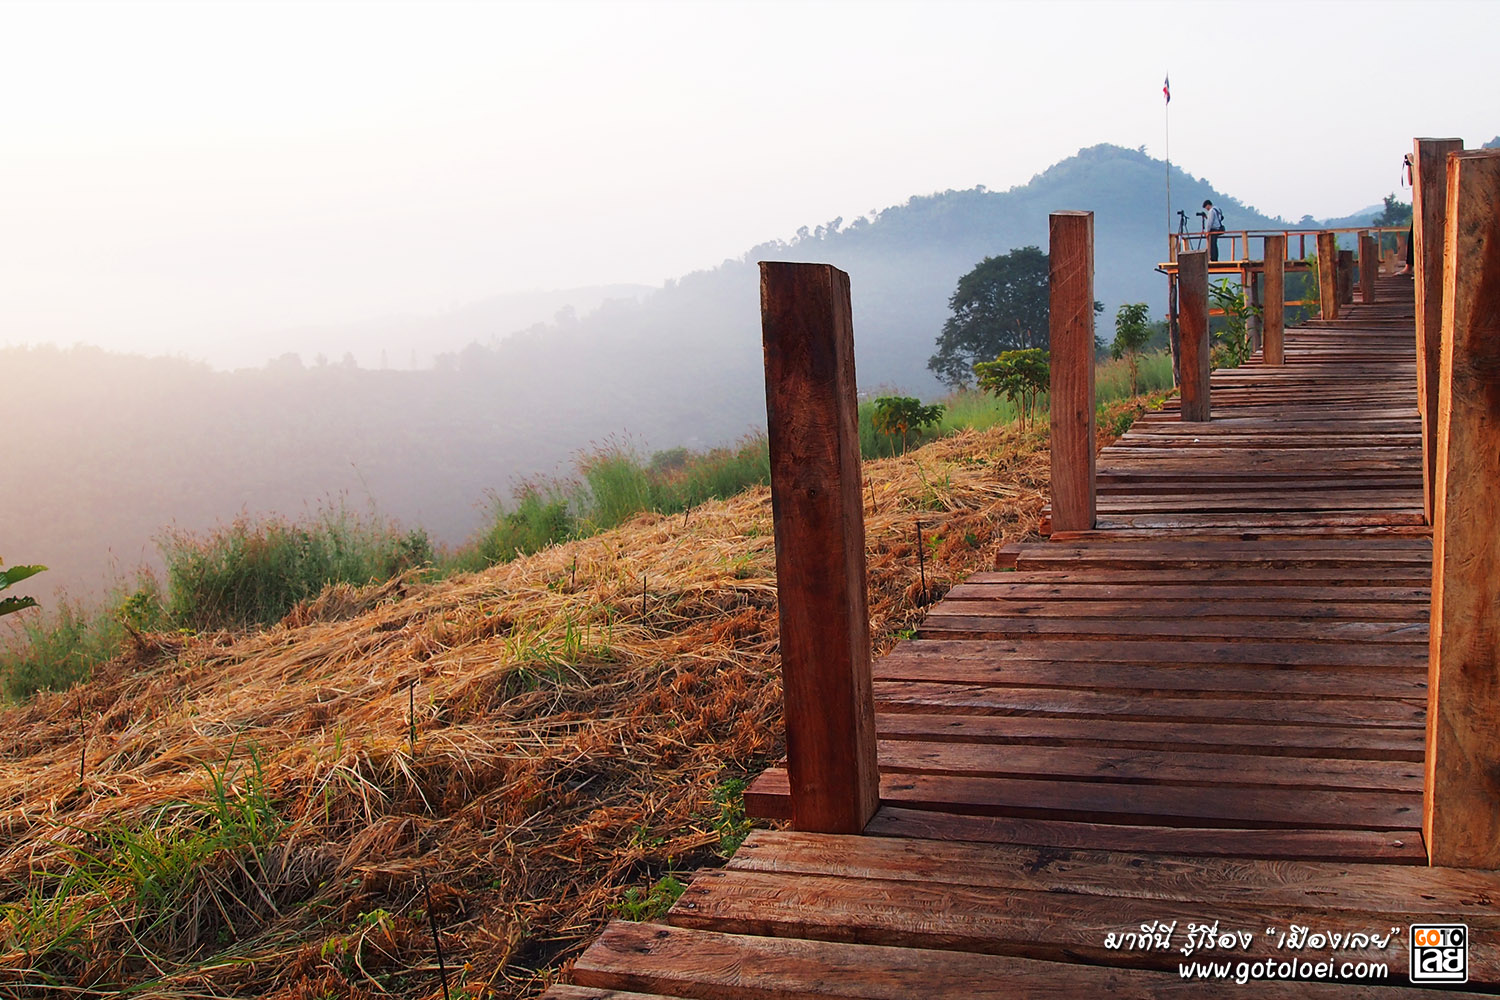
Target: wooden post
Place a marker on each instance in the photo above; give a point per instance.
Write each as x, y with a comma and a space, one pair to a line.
1369, 265
1250, 285
1461, 807
1071, 311
1328, 269
1273, 323
1429, 203
1192, 302
816, 502
1346, 277
1174, 333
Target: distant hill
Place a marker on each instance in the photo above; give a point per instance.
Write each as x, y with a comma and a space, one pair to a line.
112, 448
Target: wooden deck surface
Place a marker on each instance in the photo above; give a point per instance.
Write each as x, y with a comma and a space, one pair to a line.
1211, 707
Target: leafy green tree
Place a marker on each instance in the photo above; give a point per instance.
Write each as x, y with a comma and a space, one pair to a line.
1395, 213
900, 414
1019, 376
16, 574
1001, 305
1132, 333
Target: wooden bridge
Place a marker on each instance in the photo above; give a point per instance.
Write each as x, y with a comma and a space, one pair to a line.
1192, 727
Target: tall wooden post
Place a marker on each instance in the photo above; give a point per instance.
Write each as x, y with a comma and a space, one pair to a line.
1273, 323
1429, 204
1192, 303
1071, 311
1251, 289
1328, 271
1369, 266
1461, 814
1346, 277
817, 505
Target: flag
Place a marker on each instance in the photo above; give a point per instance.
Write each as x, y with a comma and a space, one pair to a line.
1166, 88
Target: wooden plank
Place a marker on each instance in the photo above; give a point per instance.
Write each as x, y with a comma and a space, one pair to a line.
934, 696
1391, 847
1273, 317
1071, 317
1192, 280
1148, 766
1458, 893
1052, 926
1368, 256
1328, 287
1461, 820
1294, 681
939, 623
817, 504
714, 965
1367, 742
1429, 206
1346, 277
1112, 649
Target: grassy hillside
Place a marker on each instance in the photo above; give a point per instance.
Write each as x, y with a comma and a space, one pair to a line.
537, 747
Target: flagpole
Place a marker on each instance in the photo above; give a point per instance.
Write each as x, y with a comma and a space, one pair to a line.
1167, 145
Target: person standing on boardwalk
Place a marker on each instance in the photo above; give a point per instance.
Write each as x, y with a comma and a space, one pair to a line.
1213, 223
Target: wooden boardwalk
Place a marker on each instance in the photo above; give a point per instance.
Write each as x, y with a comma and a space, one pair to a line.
1209, 708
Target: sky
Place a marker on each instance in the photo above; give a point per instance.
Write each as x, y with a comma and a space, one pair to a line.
175, 178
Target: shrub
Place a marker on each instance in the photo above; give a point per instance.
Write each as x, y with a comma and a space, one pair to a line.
254, 572
1020, 376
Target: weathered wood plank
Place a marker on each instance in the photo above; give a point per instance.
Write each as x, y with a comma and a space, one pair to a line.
1273, 316
817, 500
1192, 282
1429, 207
1366, 846
1462, 819
1328, 280
712, 965
1071, 316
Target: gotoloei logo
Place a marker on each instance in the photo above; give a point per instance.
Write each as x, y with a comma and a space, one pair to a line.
1440, 953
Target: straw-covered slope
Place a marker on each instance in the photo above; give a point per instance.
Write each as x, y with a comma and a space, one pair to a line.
254, 818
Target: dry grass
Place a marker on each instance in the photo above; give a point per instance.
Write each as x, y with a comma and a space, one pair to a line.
569, 742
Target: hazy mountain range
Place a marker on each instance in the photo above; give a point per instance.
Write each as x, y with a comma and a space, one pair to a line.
104, 450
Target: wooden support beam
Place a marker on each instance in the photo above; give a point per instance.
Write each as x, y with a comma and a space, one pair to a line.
1250, 287
1429, 205
1192, 304
817, 506
1273, 323
1071, 305
1346, 277
1461, 814
1328, 270
1369, 266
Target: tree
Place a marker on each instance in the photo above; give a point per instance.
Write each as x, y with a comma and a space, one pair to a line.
1001, 305
16, 574
1019, 376
1395, 213
900, 414
1132, 332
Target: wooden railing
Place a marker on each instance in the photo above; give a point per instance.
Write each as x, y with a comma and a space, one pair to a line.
816, 492
1235, 244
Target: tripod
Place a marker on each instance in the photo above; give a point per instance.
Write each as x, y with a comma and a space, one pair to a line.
1185, 240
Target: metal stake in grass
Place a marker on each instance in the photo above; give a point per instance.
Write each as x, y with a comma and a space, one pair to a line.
643, 595
411, 718
921, 562
573, 575
436, 944
83, 745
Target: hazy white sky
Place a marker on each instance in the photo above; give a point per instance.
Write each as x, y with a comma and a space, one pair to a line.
174, 175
